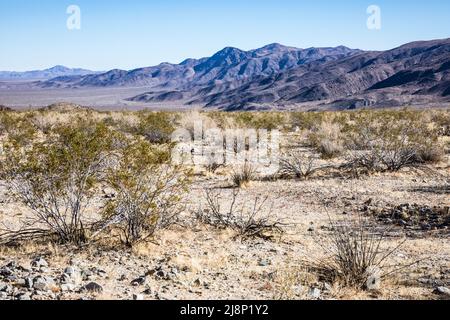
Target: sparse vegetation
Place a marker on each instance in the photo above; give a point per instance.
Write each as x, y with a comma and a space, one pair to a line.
249, 219
149, 192
243, 174
72, 178
55, 179
355, 255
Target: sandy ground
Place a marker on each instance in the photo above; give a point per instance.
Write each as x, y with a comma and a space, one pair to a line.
199, 262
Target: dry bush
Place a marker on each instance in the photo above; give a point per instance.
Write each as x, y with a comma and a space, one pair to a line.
149, 192
189, 121
156, 127
327, 140
245, 217
55, 179
260, 120
297, 164
214, 166
307, 120
17, 128
392, 145
243, 174
354, 255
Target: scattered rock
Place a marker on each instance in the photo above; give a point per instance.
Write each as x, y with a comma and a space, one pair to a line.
26, 296
71, 275
314, 293
138, 297
442, 291
264, 262
39, 263
43, 283
138, 281
92, 287
5, 272
68, 287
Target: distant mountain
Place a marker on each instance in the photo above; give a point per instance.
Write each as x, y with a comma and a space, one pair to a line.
228, 65
56, 71
277, 77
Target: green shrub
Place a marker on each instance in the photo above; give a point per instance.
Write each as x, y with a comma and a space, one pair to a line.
55, 178
149, 192
156, 127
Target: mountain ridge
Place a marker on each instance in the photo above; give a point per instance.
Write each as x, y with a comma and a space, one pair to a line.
49, 73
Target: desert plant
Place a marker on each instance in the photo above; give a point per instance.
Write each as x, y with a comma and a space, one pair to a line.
243, 174
149, 191
354, 255
245, 218
156, 127
55, 178
327, 140
296, 164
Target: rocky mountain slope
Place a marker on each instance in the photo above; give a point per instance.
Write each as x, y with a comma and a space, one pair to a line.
277, 76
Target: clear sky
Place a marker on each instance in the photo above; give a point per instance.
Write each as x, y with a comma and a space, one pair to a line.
136, 33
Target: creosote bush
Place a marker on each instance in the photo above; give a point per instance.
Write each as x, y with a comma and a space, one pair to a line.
55, 179
156, 127
149, 192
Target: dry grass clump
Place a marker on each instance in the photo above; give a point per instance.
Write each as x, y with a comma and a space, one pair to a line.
243, 174
354, 256
327, 139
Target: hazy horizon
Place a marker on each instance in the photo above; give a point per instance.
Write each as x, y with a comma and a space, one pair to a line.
117, 35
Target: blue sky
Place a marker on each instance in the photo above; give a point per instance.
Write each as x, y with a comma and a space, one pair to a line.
136, 33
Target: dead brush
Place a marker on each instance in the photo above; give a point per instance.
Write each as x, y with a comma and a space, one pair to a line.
247, 220
243, 174
355, 256
296, 164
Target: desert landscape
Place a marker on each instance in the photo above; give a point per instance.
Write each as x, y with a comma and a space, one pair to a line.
92, 206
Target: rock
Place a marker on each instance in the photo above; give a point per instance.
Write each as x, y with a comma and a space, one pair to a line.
5, 271
138, 297
148, 291
39, 263
29, 283
3, 286
162, 275
71, 275
198, 282
67, 287
24, 296
314, 293
442, 291
92, 287
43, 283
138, 281
264, 262
87, 274
373, 279
109, 193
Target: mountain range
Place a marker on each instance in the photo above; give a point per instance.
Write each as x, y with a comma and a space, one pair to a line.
281, 77
56, 71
